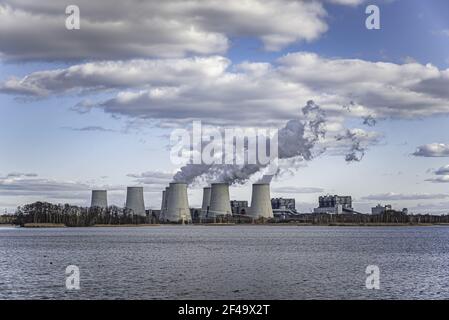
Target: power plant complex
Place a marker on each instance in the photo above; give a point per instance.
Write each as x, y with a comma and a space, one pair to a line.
175, 207
217, 207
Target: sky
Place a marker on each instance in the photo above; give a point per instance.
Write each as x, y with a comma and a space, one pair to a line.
94, 108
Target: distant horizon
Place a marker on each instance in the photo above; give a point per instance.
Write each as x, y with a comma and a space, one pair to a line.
199, 207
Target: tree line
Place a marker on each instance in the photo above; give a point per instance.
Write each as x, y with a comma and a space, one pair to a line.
75, 216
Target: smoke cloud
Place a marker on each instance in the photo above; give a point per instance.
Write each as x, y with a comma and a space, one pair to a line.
369, 121
295, 142
356, 150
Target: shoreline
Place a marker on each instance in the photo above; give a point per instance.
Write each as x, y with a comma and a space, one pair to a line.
372, 225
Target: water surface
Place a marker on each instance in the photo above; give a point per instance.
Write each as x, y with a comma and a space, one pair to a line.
232, 262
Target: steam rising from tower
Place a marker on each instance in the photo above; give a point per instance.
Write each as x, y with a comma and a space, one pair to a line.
295, 141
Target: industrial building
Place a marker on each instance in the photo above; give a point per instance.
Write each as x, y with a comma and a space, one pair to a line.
239, 207
379, 209
283, 204
284, 208
334, 204
134, 201
164, 204
261, 201
206, 202
177, 203
99, 199
195, 213
220, 203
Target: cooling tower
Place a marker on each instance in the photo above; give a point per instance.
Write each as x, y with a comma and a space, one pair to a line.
206, 202
261, 201
163, 205
177, 203
220, 204
99, 199
134, 200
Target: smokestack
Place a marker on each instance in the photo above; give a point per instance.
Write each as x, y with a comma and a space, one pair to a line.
220, 204
99, 199
261, 201
177, 203
206, 202
134, 200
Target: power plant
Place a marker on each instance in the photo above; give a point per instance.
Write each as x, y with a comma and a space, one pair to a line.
177, 203
134, 200
261, 201
206, 202
220, 202
216, 203
99, 199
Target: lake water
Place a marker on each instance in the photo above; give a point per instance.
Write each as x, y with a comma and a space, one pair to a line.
232, 262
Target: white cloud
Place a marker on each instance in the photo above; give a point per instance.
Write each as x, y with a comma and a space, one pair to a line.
442, 175
398, 196
158, 179
31, 187
347, 2
106, 75
432, 150
441, 179
89, 129
295, 190
442, 171
212, 89
115, 29
26, 185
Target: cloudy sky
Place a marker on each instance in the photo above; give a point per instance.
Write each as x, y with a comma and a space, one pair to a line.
94, 108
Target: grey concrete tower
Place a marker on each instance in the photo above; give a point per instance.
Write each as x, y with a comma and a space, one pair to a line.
177, 203
99, 199
134, 200
206, 202
220, 203
163, 205
261, 201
